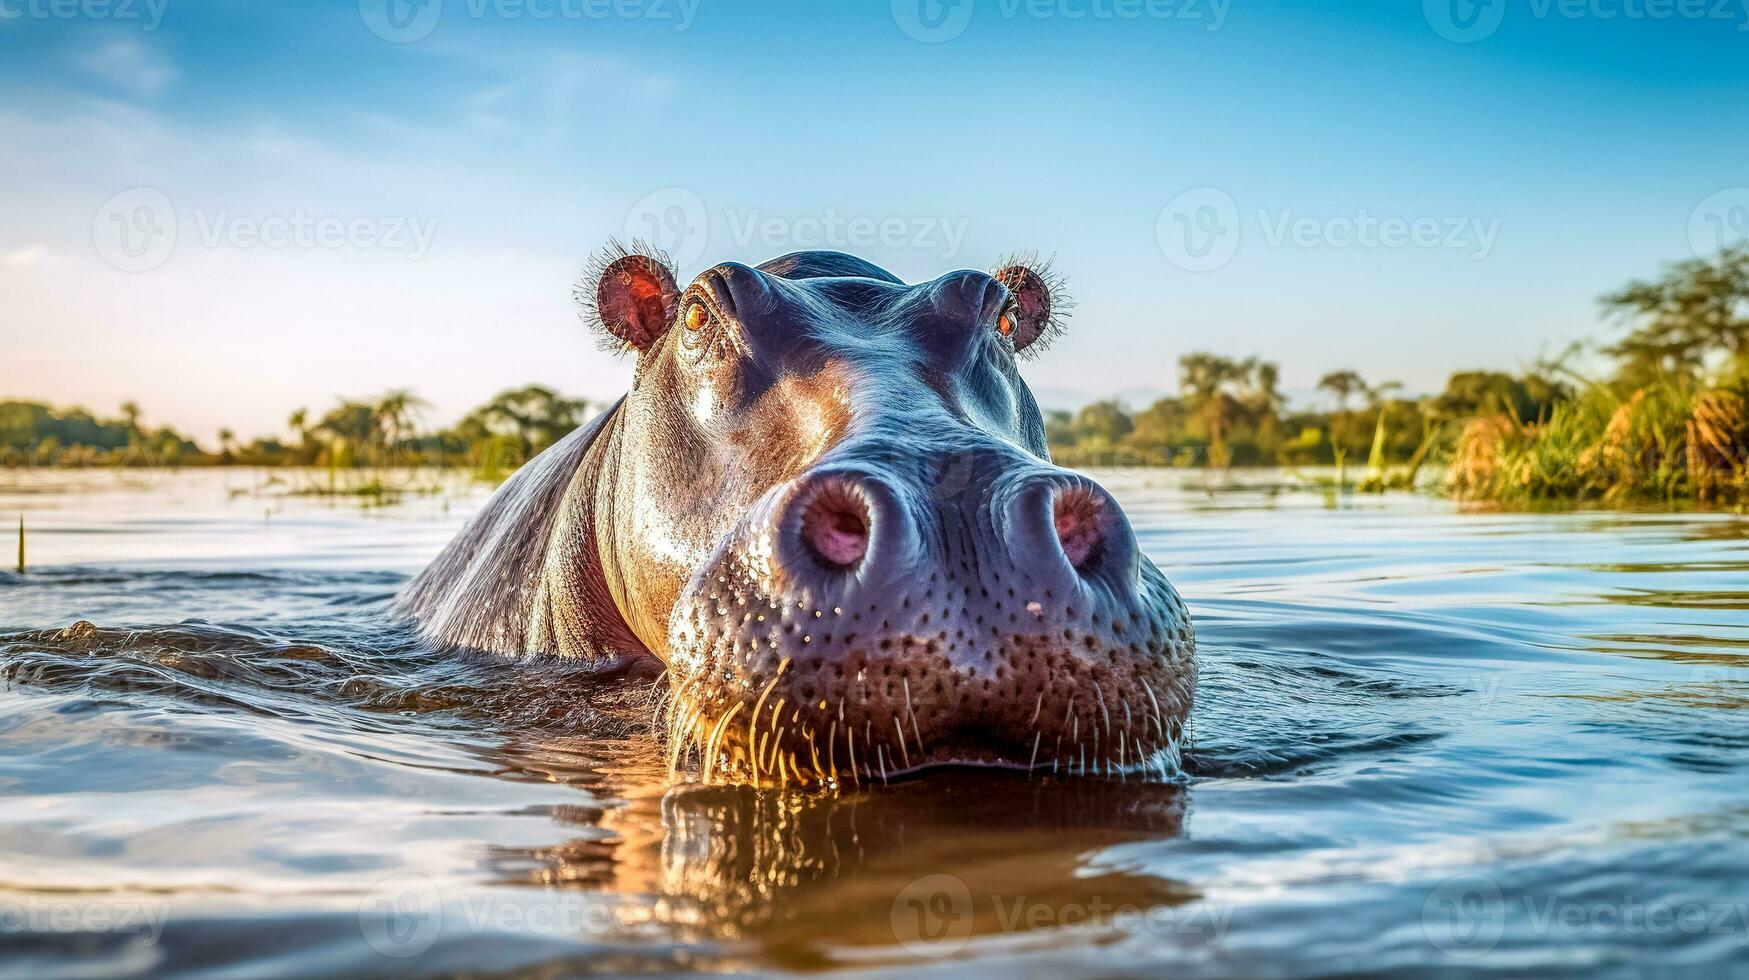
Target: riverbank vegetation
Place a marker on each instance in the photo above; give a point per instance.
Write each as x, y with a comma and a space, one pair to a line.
1665, 420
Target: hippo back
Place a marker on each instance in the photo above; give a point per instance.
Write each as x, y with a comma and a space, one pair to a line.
484, 591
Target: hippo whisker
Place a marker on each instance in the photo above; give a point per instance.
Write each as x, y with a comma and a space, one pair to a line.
777, 756
900, 728
753, 721
710, 751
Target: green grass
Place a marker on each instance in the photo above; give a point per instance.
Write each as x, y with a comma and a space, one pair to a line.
1665, 443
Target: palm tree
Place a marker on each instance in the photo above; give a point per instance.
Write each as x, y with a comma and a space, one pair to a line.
394, 415
1342, 385
1265, 401
225, 438
130, 413
299, 423
1375, 397
1205, 379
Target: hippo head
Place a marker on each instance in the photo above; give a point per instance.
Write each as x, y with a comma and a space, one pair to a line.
829, 509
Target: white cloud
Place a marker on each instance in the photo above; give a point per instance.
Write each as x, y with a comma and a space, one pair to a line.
28, 257
128, 63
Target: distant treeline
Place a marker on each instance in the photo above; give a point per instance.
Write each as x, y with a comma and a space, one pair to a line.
1669, 422
372, 433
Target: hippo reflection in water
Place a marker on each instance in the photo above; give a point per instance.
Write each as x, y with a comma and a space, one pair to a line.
826, 513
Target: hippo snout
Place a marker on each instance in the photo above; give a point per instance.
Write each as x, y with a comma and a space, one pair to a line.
861, 624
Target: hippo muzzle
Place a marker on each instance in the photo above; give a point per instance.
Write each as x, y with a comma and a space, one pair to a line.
827, 510
863, 622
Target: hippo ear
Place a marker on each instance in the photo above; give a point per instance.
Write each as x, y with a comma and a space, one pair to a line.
630, 293
1040, 304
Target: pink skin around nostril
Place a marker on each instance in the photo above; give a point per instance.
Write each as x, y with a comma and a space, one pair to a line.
835, 525
1077, 518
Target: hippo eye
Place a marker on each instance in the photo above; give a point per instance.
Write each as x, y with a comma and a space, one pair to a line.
696, 316
1005, 323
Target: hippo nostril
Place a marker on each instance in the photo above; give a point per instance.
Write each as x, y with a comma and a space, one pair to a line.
1079, 518
835, 527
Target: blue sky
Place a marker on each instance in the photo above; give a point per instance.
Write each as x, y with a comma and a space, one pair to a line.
226, 210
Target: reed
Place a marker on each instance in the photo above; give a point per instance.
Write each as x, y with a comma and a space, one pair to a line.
21, 544
1660, 443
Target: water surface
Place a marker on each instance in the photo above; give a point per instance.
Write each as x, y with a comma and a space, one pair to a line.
1425, 740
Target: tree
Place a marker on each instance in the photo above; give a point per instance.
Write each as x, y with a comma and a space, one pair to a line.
1207, 381
1105, 421
1698, 309
1264, 400
394, 416
534, 416
1160, 427
130, 413
348, 428
1342, 385
299, 423
1479, 394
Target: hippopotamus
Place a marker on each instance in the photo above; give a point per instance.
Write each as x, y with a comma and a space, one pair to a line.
825, 524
